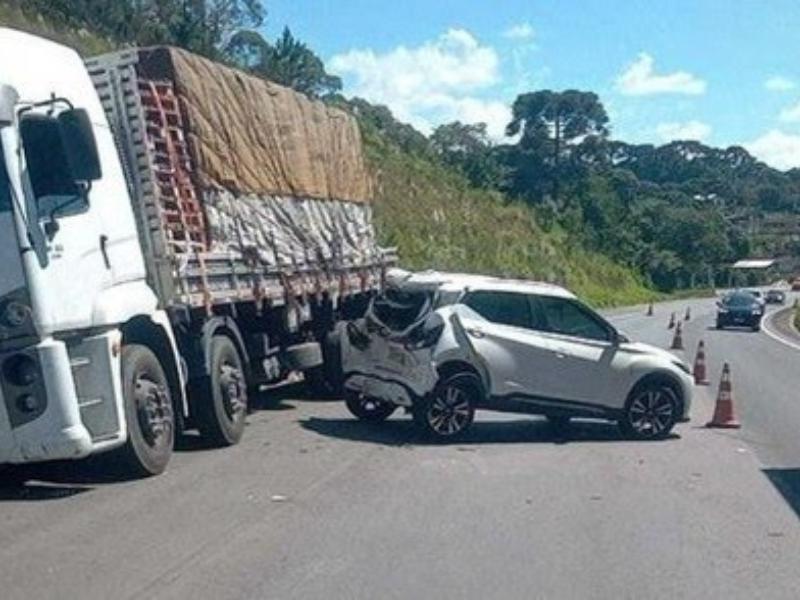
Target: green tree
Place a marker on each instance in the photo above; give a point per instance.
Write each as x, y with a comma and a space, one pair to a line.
468, 148
288, 62
554, 124
202, 26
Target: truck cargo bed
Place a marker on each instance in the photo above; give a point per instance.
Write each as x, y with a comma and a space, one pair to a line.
207, 244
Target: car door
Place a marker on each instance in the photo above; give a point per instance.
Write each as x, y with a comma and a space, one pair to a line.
588, 367
504, 334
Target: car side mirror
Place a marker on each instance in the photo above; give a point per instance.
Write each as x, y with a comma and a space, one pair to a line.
620, 338
80, 146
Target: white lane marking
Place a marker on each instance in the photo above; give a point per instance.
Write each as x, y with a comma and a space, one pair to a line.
766, 328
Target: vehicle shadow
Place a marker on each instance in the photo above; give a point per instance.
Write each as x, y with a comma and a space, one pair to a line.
401, 432
731, 329
787, 482
63, 479
59, 479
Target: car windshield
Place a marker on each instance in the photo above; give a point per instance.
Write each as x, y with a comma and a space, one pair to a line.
739, 300
5, 191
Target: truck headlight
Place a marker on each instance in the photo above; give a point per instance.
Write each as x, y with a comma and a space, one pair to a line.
15, 314
20, 370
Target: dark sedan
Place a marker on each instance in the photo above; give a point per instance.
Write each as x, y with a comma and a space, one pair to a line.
775, 297
739, 309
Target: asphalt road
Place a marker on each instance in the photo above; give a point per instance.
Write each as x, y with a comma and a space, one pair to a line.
314, 504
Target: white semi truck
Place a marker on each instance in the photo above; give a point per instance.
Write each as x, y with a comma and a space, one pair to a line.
173, 234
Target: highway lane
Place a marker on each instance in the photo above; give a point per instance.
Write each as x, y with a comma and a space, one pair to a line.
314, 504
766, 372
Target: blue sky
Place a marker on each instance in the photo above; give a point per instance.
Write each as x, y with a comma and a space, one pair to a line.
725, 72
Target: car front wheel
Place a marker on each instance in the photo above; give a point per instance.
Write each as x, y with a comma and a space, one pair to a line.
449, 411
651, 412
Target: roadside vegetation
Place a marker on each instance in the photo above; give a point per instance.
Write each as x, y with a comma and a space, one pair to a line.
561, 201
438, 219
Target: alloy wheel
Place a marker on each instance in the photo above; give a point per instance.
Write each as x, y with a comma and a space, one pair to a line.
450, 411
652, 412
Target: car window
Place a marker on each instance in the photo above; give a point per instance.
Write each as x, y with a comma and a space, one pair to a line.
569, 318
505, 308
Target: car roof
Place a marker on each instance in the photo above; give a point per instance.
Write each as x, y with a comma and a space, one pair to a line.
455, 282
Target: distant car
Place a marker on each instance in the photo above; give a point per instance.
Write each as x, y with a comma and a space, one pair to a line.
740, 309
775, 297
443, 345
796, 285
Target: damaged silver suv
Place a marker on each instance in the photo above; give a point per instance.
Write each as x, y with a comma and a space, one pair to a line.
443, 345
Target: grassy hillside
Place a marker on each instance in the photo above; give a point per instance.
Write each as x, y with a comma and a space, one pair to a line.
86, 43
438, 221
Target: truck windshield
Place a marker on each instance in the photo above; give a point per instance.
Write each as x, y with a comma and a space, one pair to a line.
5, 192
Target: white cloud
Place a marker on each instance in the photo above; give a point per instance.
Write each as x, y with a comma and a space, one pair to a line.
779, 83
429, 84
777, 149
640, 79
689, 130
520, 31
791, 114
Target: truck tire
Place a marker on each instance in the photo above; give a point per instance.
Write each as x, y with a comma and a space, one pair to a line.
222, 405
148, 411
303, 357
368, 409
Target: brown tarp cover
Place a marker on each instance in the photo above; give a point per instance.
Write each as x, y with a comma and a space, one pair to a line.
252, 136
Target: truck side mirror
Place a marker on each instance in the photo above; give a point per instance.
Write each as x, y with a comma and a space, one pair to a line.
8, 100
80, 146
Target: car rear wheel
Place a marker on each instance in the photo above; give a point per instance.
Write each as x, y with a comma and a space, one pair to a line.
365, 408
651, 411
450, 410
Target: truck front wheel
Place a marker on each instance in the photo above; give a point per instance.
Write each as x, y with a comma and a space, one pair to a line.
222, 407
148, 411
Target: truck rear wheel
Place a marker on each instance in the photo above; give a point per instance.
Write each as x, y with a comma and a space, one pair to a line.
222, 409
148, 411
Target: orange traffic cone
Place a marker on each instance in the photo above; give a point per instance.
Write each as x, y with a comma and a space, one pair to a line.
650, 310
723, 411
671, 321
677, 340
688, 314
700, 377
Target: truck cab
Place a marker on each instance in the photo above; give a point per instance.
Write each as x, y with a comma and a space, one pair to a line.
72, 274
